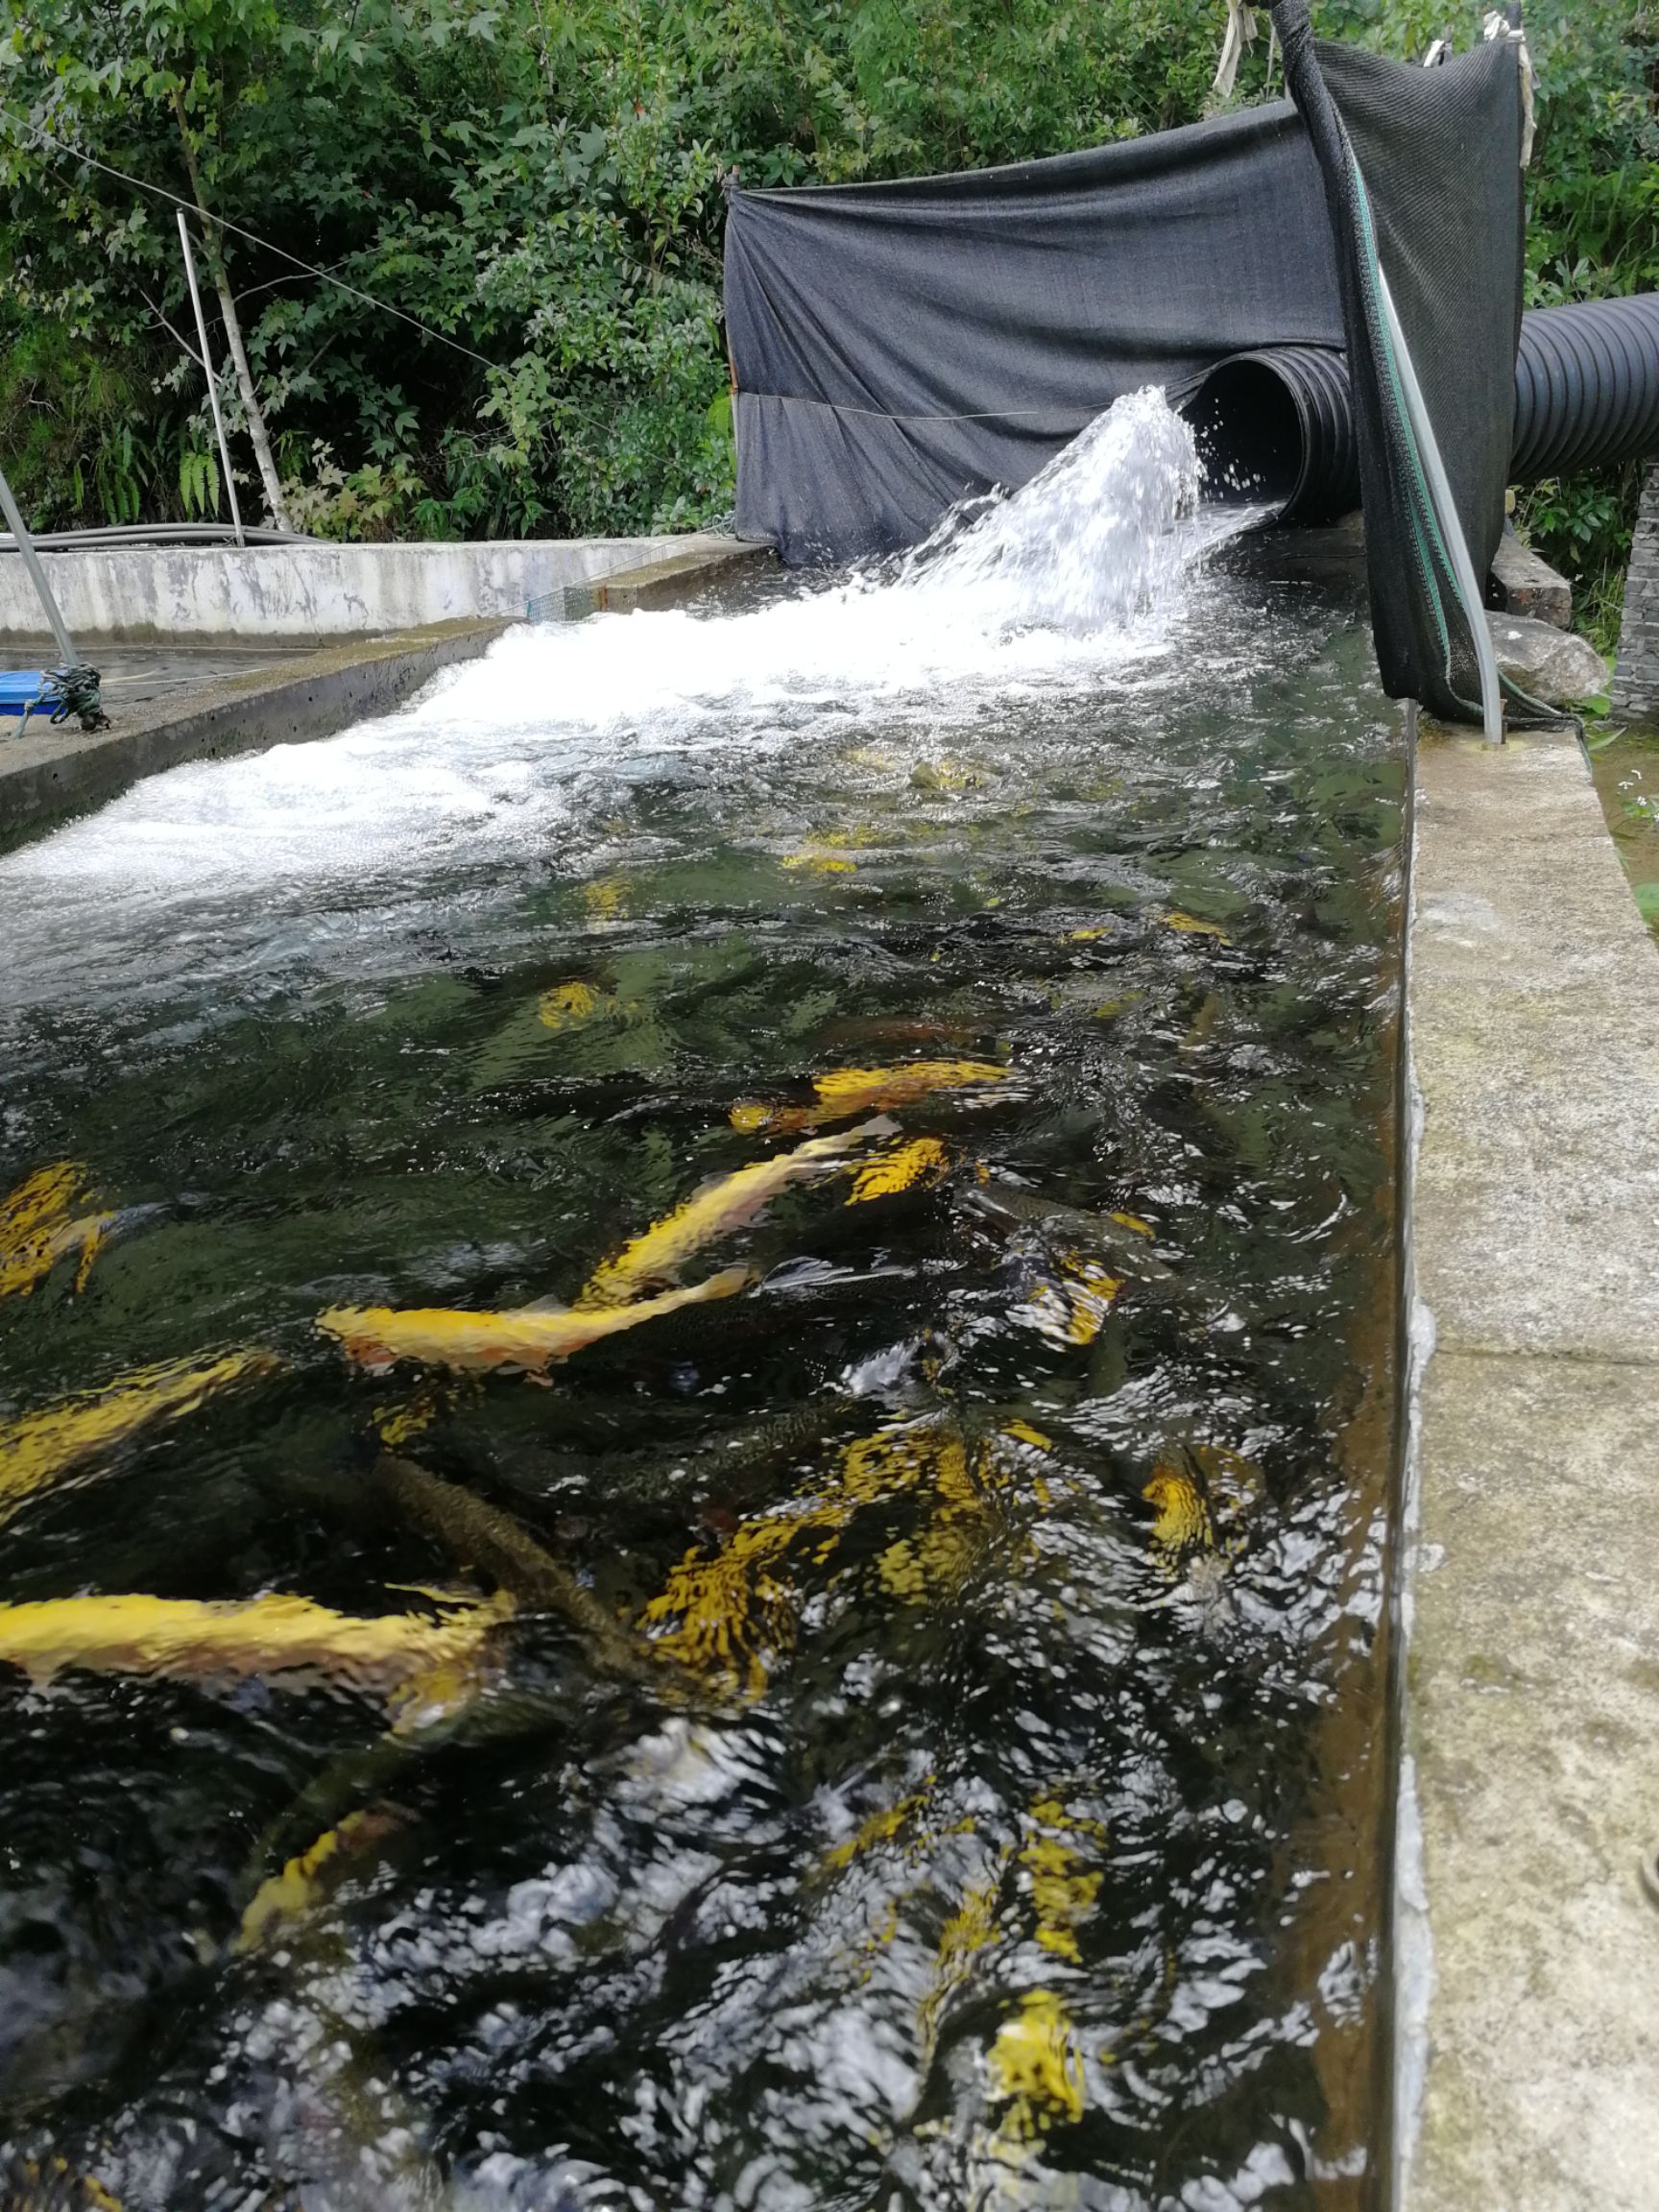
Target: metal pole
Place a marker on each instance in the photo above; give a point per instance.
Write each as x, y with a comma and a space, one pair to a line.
25, 545
212, 380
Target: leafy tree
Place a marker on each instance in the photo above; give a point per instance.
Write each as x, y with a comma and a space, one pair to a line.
537, 183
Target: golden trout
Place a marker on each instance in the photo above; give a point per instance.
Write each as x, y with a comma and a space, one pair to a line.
288, 1896
27, 2186
1183, 1523
416, 1664
38, 1229
525, 1339
898, 1168
847, 1090
40, 1446
659, 1253
46, 1196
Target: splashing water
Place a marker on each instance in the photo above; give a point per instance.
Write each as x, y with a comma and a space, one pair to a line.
1083, 579
1099, 539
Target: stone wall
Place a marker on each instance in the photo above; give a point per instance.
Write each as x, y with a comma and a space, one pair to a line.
1636, 677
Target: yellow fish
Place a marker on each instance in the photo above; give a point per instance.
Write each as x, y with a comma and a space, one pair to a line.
40, 1446
657, 1254
1063, 1889
524, 1340
396, 1425
947, 774
607, 899
1189, 925
288, 1896
1183, 1524
849, 1091
898, 1168
881, 1827
730, 1610
1072, 1306
1035, 2062
821, 863
38, 1229
417, 1664
44, 1196
969, 1932
566, 1005
54, 2188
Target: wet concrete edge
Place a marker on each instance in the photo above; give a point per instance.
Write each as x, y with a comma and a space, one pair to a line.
50, 772
1526, 1952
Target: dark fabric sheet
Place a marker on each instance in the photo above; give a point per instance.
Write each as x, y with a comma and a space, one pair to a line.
1437, 156
898, 347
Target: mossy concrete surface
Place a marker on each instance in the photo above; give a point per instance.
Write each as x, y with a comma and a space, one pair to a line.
1530, 2020
50, 771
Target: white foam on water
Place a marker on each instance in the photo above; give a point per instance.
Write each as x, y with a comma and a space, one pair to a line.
1075, 582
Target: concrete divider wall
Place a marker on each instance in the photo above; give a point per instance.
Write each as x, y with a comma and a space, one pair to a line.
316, 590
1527, 1950
49, 771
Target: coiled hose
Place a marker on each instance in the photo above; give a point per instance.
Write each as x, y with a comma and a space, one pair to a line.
1275, 428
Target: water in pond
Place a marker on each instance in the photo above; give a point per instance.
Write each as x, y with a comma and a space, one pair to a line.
898, 1727
1625, 761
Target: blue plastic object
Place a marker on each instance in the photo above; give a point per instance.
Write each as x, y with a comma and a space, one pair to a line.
23, 690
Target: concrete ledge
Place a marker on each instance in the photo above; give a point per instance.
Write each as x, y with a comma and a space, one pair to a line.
670, 583
1531, 1710
48, 773
325, 590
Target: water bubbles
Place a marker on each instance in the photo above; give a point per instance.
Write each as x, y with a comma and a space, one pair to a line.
1098, 540
289, 858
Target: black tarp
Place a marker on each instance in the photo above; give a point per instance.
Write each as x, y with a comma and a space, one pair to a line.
900, 346
1422, 170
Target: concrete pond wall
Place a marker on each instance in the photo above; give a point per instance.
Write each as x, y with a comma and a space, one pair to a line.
318, 591
1527, 1942
338, 638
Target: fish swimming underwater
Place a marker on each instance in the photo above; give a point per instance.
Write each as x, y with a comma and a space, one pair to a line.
848, 1091
1183, 1524
1123, 1240
1069, 1305
480, 1536
285, 1897
923, 1160
525, 1339
27, 2185
40, 1448
416, 1664
38, 1229
658, 1252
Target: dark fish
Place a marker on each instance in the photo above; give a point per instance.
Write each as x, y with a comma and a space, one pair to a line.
479, 1535
1119, 1237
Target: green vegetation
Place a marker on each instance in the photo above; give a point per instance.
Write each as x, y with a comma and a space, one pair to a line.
538, 182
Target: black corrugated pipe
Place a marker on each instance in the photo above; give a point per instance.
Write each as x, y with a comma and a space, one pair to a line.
1586, 387
1276, 428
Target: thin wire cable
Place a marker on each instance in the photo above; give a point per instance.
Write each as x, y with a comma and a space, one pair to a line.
223, 223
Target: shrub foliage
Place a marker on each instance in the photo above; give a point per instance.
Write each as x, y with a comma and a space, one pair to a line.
538, 183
